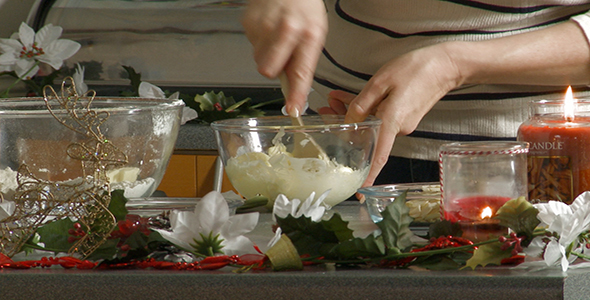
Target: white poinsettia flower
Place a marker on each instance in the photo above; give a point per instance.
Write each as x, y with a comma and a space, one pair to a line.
81, 86
311, 208
23, 50
148, 90
211, 219
567, 222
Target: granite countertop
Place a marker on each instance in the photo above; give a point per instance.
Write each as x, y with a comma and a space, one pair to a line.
196, 137
317, 282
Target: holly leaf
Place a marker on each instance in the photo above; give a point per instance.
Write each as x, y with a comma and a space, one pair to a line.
488, 254
520, 216
209, 99
107, 250
339, 227
395, 226
308, 237
315, 238
370, 246
55, 235
117, 205
135, 79
444, 228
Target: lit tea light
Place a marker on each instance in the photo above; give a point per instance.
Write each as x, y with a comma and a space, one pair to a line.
486, 213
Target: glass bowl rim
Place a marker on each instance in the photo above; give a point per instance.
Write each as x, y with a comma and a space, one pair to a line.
16, 105
395, 189
283, 122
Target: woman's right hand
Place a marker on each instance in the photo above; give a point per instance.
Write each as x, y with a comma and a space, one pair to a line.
287, 36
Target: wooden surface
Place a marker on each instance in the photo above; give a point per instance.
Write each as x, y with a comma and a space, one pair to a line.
190, 175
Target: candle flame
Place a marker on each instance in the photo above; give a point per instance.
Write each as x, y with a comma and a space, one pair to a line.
486, 212
568, 105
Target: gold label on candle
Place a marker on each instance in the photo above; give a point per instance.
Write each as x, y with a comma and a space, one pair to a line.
550, 178
546, 146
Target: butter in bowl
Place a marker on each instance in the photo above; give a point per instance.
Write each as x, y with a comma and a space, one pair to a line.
423, 199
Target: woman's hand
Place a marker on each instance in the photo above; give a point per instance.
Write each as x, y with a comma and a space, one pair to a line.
407, 87
399, 94
287, 36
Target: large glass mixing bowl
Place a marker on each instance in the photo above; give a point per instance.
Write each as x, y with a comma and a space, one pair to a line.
138, 138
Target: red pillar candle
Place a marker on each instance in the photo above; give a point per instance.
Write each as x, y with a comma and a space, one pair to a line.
559, 155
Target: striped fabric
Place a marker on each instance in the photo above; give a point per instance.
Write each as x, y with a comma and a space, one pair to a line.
364, 34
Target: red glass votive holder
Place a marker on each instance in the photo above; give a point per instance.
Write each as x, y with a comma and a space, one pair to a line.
477, 178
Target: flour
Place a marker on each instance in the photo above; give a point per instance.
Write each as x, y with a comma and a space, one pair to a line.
135, 189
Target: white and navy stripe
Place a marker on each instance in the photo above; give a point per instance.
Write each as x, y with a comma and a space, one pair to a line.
366, 34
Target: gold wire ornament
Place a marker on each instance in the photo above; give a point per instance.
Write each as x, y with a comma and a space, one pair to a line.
85, 199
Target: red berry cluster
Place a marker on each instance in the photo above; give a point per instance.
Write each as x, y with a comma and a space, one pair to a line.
76, 233
130, 225
512, 241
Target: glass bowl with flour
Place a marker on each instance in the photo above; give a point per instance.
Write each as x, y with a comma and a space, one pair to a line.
58, 147
269, 156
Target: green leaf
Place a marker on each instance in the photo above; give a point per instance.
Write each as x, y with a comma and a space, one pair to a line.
135, 79
308, 237
395, 226
55, 235
339, 227
370, 246
117, 205
488, 254
108, 250
520, 216
444, 228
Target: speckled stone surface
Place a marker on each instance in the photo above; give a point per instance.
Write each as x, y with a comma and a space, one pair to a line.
314, 283
196, 137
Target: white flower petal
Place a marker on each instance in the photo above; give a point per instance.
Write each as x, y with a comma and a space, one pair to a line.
181, 237
187, 114
23, 68
26, 34
6, 209
282, 207
535, 248
238, 246
212, 212
58, 51
548, 211
239, 224
8, 59
148, 90
47, 35
275, 238
81, 86
554, 252
10, 46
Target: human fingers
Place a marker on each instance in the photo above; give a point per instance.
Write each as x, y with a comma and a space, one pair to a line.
301, 67
276, 28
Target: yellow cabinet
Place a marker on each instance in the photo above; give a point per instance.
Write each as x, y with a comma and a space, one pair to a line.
191, 175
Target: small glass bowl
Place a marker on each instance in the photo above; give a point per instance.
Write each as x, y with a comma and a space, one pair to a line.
423, 199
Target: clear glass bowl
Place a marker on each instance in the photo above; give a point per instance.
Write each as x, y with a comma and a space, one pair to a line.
142, 130
258, 155
423, 199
